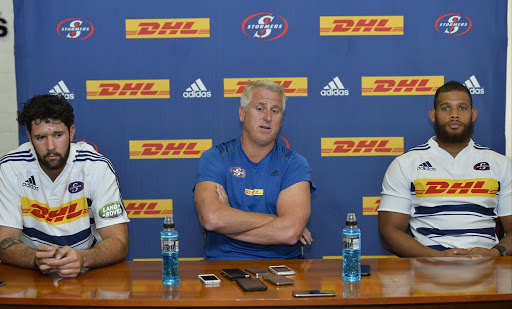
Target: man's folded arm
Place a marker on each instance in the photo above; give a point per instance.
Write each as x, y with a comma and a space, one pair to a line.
221, 218
293, 211
112, 249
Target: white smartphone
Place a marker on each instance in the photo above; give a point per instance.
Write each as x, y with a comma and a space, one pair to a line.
282, 270
209, 279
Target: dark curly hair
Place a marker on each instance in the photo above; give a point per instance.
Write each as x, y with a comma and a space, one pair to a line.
452, 86
46, 107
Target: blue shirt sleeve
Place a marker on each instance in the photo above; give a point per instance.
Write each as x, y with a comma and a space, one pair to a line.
297, 170
211, 168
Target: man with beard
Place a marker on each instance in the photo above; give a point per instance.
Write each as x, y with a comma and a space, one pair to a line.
60, 206
252, 194
450, 192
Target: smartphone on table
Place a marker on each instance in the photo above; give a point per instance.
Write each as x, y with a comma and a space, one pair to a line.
282, 270
313, 293
251, 284
234, 273
278, 279
209, 279
257, 271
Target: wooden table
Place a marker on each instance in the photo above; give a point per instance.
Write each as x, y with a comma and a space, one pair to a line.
396, 283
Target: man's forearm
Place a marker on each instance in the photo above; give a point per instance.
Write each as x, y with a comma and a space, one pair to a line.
403, 245
109, 251
280, 231
16, 253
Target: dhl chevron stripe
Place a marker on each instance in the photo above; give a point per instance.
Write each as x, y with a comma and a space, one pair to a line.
484, 187
148, 208
62, 214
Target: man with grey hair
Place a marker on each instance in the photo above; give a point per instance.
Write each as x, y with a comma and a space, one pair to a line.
252, 195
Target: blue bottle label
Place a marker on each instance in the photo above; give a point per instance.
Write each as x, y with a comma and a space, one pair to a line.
168, 245
351, 242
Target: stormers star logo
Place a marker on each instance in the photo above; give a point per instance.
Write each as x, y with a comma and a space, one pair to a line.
265, 26
482, 166
238, 172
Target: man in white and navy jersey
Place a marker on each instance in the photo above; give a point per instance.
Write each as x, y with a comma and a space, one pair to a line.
450, 192
60, 206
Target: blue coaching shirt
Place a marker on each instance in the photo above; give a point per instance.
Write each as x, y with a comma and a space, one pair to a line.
251, 187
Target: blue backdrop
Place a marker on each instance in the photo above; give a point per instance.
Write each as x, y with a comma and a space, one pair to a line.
144, 75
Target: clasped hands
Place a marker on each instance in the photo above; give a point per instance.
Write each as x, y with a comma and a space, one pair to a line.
66, 261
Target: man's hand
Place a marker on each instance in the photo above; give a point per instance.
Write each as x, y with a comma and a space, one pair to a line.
44, 253
479, 251
306, 238
223, 197
66, 261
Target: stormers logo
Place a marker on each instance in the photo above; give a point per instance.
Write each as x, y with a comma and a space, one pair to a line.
128, 89
293, 86
453, 24
75, 29
238, 172
148, 208
361, 25
110, 210
265, 26
169, 149
167, 28
482, 166
400, 85
485, 187
362, 146
75, 187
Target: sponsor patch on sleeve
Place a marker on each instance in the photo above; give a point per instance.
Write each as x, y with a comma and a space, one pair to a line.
111, 210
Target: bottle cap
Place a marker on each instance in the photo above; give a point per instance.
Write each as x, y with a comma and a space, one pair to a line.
351, 219
168, 222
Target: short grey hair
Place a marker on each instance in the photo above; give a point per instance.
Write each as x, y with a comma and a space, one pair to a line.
265, 84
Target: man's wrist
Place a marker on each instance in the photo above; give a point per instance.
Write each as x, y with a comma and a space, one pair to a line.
502, 250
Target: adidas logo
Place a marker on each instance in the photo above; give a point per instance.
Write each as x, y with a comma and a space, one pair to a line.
334, 88
62, 89
426, 166
275, 173
474, 86
31, 183
197, 90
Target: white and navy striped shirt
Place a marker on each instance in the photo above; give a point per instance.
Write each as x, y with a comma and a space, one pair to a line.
452, 202
84, 197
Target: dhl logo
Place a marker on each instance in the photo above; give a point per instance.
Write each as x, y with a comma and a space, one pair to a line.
148, 208
400, 85
370, 205
252, 192
484, 187
361, 25
169, 149
362, 146
167, 28
293, 86
63, 214
128, 89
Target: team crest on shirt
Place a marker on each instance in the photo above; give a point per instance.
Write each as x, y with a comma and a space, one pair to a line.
75, 187
111, 210
482, 166
238, 172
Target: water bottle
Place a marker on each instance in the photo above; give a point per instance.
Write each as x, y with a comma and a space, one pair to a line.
170, 248
351, 250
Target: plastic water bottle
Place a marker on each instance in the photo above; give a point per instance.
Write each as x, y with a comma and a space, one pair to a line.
170, 248
351, 250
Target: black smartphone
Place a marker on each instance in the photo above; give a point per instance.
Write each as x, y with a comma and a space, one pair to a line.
234, 273
2, 283
251, 284
313, 293
257, 271
278, 279
365, 270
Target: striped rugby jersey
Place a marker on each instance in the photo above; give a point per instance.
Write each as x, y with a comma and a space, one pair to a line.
452, 202
83, 198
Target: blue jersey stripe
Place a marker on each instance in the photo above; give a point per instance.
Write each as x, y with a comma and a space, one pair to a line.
471, 208
68, 240
431, 232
